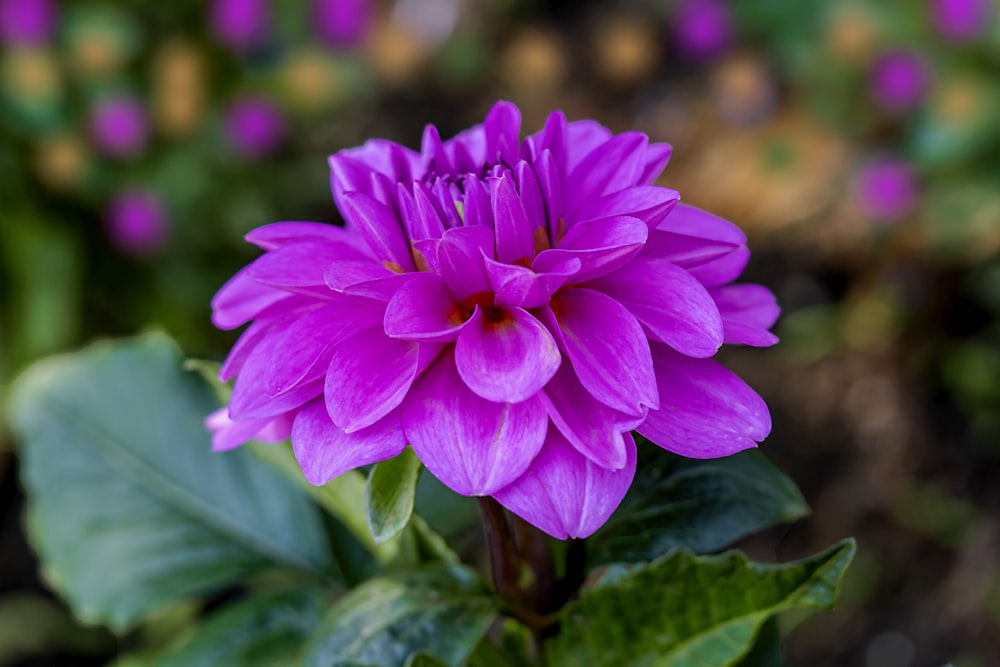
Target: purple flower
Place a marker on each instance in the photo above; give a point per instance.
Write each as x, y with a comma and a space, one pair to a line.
119, 127
255, 126
703, 29
510, 309
899, 80
342, 24
26, 22
239, 24
961, 20
886, 190
137, 222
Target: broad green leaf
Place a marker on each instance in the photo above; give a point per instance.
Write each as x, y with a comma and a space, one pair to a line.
128, 506
265, 631
442, 609
686, 611
343, 496
703, 505
766, 651
392, 485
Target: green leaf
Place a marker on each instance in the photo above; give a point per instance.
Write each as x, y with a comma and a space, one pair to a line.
127, 505
443, 609
265, 631
392, 486
343, 496
766, 651
703, 505
686, 611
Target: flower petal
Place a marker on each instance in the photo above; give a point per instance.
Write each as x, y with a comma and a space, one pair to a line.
278, 234
290, 360
473, 445
601, 246
683, 250
675, 307
228, 434
657, 157
324, 450
591, 427
691, 221
706, 410
607, 347
507, 361
424, 310
369, 375
612, 166
748, 312
515, 285
514, 241
503, 125
649, 204
460, 259
380, 228
582, 137
241, 299
305, 264
565, 494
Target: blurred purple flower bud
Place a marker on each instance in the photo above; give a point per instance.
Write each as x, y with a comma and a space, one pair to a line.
703, 29
342, 23
119, 126
239, 24
137, 222
886, 189
26, 22
255, 126
899, 80
961, 20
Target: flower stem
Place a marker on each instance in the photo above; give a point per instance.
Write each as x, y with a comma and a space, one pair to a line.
502, 548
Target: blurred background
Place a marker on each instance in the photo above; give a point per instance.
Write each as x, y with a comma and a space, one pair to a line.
857, 143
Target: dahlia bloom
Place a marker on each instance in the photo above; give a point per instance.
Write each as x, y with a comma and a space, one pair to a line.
510, 309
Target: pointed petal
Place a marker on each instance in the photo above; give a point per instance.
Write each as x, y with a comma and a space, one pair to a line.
473, 445
424, 310
380, 228
706, 411
748, 312
305, 264
503, 127
477, 209
241, 299
507, 361
582, 137
290, 360
531, 194
369, 375
657, 157
565, 494
460, 260
607, 347
515, 285
591, 427
683, 250
649, 204
601, 246
551, 185
674, 306
684, 219
324, 450
433, 151
277, 234
612, 166
427, 221
513, 229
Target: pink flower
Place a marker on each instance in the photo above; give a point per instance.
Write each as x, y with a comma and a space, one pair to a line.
119, 126
886, 190
255, 126
511, 309
899, 81
137, 222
